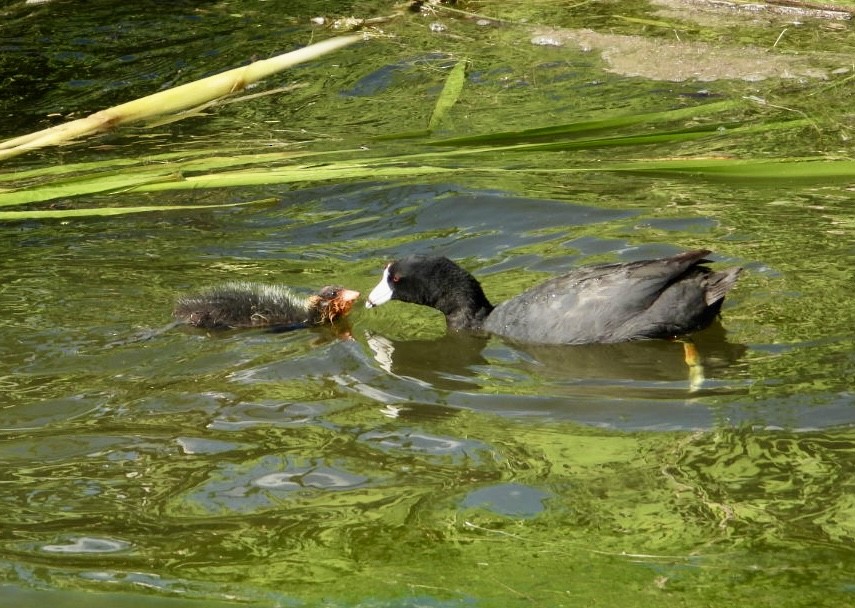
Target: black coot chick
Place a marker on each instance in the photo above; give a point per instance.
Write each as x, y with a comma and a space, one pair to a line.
662, 298
245, 304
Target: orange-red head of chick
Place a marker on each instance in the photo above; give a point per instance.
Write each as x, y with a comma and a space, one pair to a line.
330, 303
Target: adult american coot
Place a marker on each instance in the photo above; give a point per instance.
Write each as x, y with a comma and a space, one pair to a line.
245, 304
661, 298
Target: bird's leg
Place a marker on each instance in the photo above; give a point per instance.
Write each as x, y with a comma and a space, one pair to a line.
696, 366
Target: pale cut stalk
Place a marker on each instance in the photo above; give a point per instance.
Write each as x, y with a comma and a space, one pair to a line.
172, 100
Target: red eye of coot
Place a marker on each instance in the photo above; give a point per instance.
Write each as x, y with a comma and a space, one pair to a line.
395, 278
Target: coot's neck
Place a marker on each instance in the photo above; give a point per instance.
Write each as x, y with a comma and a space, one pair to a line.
462, 300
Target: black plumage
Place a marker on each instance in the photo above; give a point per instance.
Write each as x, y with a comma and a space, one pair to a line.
660, 298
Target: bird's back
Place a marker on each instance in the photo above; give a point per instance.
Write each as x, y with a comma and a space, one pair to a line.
617, 302
242, 304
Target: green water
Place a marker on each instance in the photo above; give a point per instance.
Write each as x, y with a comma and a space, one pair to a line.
387, 464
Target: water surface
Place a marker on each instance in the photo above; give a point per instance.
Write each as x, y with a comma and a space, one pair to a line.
385, 463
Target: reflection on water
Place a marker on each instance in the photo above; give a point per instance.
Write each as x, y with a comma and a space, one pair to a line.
646, 384
512, 500
447, 363
460, 361
88, 545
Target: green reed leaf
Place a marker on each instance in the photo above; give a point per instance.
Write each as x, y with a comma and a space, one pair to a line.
450, 93
587, 126
59, 214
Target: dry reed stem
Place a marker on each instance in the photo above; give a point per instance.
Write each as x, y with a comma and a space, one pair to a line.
172, 100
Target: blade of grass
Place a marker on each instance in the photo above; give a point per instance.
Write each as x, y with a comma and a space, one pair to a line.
760, 169
588, 126
292, 174
58, 214
753, 169
450, 94
118, 180
194, 160
109, 164
113, 182
610, 142
715, 130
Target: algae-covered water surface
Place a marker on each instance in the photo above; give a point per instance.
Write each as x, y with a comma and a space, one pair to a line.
384, 462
